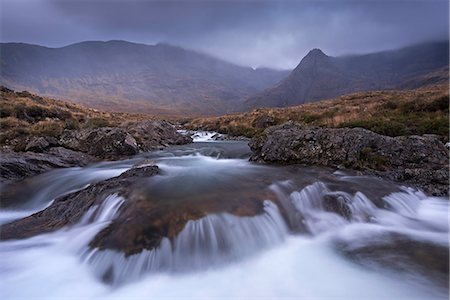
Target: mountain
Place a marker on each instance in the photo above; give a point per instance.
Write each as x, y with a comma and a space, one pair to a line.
124, 76
319, 76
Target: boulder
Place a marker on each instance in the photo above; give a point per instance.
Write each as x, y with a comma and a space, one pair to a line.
151, 135
19, 165
400, 253
143, 219
418, 160
41, 143
104, 143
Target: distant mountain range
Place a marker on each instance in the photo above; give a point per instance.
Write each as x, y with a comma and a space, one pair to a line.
124, 76
165, 79
319, 76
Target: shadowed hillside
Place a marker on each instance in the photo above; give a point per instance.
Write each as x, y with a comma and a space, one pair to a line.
124, 76
319, 76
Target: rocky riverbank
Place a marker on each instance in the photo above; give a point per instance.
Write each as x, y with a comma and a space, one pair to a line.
81, 147
421, 161
39, 134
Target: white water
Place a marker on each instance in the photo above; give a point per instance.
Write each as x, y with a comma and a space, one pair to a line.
222, 256
203, 136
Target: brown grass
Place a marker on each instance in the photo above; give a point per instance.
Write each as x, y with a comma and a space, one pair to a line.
23, 114
386, 112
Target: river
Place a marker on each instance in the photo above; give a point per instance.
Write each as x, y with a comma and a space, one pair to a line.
391, 244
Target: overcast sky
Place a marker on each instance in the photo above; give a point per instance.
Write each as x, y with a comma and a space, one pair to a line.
254, 33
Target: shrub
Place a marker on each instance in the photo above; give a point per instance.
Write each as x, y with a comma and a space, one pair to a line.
390, 105
6, 112
48, 128
97, 122
438, 104
240, 130
71, 124
438, 126
381, 126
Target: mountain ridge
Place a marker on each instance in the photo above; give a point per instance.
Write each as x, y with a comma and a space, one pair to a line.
319, 76
126, 76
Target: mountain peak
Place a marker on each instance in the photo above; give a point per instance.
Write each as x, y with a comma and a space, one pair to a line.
312, 59
316, 52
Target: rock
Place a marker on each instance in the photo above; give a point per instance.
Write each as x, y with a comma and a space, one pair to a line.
151, 135
401, 254
16, 166
41, 143
105, 142
418, 160
143, 220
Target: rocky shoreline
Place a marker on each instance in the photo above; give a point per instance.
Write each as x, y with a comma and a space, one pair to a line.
421, 161
78, 148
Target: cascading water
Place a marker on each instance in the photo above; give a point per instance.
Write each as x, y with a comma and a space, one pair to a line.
210, 241
319, 235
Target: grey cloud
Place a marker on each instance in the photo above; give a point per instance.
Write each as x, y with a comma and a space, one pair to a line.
256, 33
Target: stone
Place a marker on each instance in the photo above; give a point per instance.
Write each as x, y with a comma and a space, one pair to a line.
151, 135
41, 143
142, 221
418, 160
104, 143
20, 165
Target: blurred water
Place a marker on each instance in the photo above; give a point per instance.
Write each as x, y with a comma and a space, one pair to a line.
225, 256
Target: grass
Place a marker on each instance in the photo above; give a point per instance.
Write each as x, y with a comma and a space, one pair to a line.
392, 113
23, 114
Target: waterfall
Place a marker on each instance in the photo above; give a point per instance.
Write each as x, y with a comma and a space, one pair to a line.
210, 241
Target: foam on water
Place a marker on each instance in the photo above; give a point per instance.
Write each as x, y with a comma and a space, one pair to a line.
213, 240
203, 136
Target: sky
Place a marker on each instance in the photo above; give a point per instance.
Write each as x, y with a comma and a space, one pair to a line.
275, 34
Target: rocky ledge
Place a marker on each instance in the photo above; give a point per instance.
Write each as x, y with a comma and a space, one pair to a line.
143, 220
421, 161
20, 165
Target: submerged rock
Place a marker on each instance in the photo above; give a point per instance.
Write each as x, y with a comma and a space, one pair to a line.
400, 253
418, 160
19, 165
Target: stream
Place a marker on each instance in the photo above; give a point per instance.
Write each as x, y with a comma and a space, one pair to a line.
380, 241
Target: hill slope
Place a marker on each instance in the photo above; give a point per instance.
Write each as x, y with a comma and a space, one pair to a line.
119, 75
392, 113
319, 76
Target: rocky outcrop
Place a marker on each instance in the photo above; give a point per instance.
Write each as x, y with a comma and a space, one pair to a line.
78, 147
418, 160
19, 165
105, 142
151, 135
41, 143
115, 142
143, 219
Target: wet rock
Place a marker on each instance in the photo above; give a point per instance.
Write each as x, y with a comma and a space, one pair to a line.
143, 220
151, 135
19, 165
417, 160
105, 142
400, 253
67, 210
41, 143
